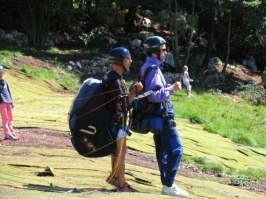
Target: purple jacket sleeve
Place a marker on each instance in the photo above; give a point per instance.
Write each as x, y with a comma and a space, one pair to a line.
155, 81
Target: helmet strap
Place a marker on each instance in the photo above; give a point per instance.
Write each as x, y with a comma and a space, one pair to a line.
124, 68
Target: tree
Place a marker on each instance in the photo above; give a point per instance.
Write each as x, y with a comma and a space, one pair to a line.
192, 27
228, 37
36, 17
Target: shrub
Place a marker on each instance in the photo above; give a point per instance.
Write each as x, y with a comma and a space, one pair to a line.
240, 181
98, 37
252, 92
25, 69
5, 61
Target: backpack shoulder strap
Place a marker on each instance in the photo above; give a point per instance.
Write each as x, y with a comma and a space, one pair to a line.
143, 78
106, 79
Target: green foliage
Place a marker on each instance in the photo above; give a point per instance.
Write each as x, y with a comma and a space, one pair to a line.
213, 168
256, 174
215, 91
45, 74
25, 69
208, 166
11, 53
193, 63
4, 60
67, 79
199, 160
97, 38
241, 138
196, 120
253, 92
5, 56
240, 181
204, 164
232, 171
58, 64
70, 82
162, 19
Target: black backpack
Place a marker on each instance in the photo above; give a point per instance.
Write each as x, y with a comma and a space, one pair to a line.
90, 121
146, 116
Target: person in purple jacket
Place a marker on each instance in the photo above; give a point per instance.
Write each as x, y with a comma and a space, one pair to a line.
168, 145
6, 105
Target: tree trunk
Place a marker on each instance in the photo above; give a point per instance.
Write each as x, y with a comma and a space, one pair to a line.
190, 35
130, 16
176, 40
228, 40
209, 48
171, 32
32, 30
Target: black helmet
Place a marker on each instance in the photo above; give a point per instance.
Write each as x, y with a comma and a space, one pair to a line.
117, 55
152, 44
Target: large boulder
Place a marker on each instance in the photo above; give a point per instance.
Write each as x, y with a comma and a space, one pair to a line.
250, 62
214, 62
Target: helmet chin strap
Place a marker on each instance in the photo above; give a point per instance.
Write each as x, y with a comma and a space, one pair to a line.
158, 57
124, 68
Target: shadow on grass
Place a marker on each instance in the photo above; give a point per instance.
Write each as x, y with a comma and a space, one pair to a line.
56, 189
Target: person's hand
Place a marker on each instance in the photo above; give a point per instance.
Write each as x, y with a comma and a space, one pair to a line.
138, 86
191, 80
177, 86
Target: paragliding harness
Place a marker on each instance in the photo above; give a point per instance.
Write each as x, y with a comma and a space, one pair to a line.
147, 116
91, 123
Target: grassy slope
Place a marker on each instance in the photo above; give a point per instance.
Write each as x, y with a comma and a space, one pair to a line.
37, 106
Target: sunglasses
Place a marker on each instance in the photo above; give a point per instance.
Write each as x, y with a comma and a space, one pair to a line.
163, 49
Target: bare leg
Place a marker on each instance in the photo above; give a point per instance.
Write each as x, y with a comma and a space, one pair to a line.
112, 161
118, 162
188, 92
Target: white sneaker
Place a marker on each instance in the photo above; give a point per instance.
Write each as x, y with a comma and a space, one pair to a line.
188, 96
174, 191
191, 95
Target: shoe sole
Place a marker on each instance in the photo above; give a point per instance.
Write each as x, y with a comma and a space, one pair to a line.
179, 196
10, 138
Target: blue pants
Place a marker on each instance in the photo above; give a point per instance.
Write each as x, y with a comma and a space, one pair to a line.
169, 149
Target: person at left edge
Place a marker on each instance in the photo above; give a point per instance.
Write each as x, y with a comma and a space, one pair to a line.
121, 59
6, 105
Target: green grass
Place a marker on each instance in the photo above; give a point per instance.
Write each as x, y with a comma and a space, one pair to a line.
67, 80
70, 82
254, 173
4, 60
25, 69
241, 121
46, 74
